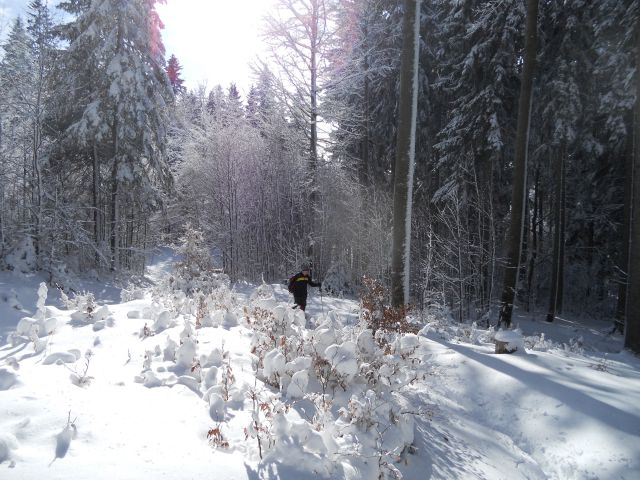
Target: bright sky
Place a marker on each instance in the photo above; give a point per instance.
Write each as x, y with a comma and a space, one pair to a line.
214, 40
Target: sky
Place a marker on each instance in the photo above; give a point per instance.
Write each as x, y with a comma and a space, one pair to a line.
214, 40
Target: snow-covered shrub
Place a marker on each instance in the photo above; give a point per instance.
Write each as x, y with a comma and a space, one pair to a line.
185, 354
298, 386
84, 305
333, 366
163, 321
38, 325
377, 315
81, 378
265, 408
384, 418
132, 292
274, 366
22, 257
343, 361
274, 328
337, 280
194, 272
538, 342
216, 438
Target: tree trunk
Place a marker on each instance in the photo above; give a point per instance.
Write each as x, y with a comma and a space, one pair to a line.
563, 197
514, 240
632, 325
314, 86
623, 262
96, 214
115, 210
533, 255
556, 269
115, 264
405, 154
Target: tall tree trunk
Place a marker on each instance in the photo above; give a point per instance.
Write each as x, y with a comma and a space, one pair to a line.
313, 147
514, 240
623, 261
533, 256
405, 154
556, 269
115, 220
96, 213
632, 324
563, 202
115, 210
2, 205
314, 87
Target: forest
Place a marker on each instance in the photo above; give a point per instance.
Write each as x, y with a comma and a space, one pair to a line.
105, 155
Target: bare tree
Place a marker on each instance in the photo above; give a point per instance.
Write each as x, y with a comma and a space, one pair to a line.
299, 34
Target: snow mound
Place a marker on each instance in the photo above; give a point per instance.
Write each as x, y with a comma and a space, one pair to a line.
7, 379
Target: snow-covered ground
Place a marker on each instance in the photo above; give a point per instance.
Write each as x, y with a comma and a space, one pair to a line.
136, 391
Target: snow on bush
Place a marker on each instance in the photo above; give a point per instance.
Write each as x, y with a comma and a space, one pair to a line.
163, 321
337, 280
342, 359
22, 257
194, 272
216, 407
274, 366
185, 354
38, 325
298, 386
341, 369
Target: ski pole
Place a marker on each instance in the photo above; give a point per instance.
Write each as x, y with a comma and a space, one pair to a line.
321, 302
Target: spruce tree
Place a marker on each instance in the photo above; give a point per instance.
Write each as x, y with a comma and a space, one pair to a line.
124, 109
173, 72
514, 239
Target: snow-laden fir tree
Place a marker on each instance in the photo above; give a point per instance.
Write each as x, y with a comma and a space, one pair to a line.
173, 72
123, 108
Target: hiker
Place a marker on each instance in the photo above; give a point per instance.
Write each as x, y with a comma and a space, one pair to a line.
298, 286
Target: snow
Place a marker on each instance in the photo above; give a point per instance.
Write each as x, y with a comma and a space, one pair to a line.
129, 402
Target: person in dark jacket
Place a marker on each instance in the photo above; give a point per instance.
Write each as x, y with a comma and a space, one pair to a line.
298, 286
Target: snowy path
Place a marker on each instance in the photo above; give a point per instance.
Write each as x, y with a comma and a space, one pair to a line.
551, 413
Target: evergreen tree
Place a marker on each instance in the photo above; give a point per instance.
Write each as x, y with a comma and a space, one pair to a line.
124, 109
16, 178
514, 240
173, 72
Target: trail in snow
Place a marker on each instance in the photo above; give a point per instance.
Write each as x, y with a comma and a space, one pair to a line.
141, 406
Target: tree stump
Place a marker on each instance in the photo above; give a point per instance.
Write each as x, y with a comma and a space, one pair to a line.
503, 347
508, 341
